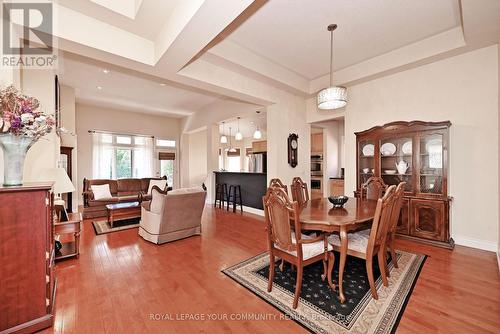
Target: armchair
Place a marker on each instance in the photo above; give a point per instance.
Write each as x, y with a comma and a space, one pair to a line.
172, 215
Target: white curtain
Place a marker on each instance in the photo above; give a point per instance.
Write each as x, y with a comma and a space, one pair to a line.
102, 156
143, 159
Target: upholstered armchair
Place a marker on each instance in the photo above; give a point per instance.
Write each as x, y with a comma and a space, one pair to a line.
172, 215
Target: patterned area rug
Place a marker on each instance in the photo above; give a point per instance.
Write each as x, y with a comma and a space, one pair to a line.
319, 309
102, 226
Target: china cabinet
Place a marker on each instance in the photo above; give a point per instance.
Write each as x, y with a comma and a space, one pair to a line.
417, 153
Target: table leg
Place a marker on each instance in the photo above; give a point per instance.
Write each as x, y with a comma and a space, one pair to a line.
77, 244
343, 255
110, 219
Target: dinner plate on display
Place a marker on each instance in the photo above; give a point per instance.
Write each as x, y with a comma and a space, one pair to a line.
388, 149
434, 146
368, 150
407, 148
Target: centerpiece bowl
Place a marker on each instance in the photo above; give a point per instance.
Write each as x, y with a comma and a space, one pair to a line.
338, 201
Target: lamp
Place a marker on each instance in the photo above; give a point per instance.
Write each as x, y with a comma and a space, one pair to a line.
333, 97
238, 135
257, 134
231, 148
223, 138
62, 183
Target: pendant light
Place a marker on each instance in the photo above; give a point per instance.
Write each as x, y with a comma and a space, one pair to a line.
223, 138
257, 134
231, 148
238, 136
333, 97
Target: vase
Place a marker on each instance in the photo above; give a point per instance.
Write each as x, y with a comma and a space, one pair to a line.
14, 152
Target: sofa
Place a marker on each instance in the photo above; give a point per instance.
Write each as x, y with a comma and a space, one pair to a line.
122, 190
172, 215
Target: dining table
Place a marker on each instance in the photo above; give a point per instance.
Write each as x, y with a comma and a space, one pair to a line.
320, 215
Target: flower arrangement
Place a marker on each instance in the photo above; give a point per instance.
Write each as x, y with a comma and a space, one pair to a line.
20, 115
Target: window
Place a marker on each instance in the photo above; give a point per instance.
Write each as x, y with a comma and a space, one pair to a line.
121, 156
165, 143
233, 161
167, 166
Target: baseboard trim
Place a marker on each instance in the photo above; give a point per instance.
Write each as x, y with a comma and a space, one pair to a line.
476, 243
255, 211
498, 259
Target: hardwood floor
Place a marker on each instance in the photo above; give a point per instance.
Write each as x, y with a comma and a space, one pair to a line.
120, 281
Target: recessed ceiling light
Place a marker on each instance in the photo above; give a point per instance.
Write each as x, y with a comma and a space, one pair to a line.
105, 71
99, 87
162, 84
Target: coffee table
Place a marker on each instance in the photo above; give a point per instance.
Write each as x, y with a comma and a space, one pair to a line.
121, 211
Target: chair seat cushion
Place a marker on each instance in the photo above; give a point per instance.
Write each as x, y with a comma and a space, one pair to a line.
308, 250
357, 241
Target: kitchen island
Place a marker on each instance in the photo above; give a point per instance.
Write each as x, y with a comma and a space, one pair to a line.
253, 186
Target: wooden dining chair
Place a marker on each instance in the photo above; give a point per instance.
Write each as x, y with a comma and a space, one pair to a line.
373, 188
291, 245
366, 243
391, 230
277, 183
299, 191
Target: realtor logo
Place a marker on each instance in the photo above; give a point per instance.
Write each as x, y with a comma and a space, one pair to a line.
27, 35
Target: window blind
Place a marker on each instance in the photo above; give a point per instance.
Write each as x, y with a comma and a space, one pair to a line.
166, 156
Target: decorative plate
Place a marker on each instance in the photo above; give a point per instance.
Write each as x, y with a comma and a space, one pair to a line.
407, 148
390, 171
368, 150
388, 149
434, 146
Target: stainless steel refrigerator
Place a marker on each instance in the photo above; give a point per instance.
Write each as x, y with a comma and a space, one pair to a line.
257, 163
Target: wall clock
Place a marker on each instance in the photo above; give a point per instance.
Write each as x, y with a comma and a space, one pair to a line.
293, 145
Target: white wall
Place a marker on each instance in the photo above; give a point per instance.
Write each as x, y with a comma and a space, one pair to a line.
464, 90
120, 121
197, 158
288, 116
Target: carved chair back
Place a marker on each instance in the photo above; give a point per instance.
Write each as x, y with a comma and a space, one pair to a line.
373, 188
277, 183
398, 203
278, 210
381, 221
299, 191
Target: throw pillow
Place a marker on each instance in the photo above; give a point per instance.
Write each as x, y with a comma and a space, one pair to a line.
101, 191
162, 184
157, 203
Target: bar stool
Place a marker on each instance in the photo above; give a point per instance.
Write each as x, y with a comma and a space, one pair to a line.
221, 194
234, 197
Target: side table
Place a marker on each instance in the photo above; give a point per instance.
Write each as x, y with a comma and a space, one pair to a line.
72, 226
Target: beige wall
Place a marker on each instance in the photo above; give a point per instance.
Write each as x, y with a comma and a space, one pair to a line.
197, 158
288, 116
464, 90
120, 121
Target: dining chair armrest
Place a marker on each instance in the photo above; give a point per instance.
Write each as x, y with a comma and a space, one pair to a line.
313, 240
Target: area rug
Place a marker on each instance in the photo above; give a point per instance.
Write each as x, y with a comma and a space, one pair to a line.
102, 226
319, 309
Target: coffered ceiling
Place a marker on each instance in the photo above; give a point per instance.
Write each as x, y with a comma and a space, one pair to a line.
255, 50
293, 33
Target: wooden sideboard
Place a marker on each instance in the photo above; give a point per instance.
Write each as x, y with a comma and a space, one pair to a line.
423, 147
27, 281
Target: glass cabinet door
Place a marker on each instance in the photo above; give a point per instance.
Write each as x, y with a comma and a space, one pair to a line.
396, 161
366, 160
431, 164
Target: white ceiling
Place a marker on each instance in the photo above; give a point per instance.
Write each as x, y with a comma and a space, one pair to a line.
149, 20
248, 124
293, 33
128, 90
